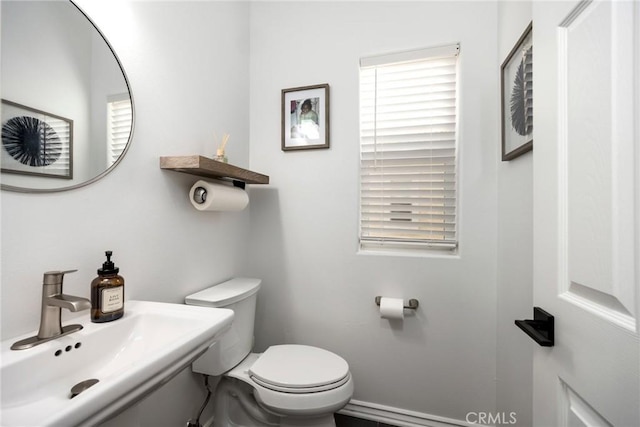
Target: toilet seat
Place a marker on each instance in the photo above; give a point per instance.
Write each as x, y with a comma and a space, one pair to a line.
301, 390
278, 390
299, 369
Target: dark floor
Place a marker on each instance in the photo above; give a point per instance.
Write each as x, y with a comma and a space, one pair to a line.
346, 421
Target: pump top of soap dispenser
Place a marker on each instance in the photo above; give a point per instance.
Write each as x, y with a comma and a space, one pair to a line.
108, 267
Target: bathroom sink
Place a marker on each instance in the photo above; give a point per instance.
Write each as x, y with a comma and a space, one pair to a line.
129, 357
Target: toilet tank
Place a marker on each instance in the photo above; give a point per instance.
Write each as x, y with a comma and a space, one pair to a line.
238, 294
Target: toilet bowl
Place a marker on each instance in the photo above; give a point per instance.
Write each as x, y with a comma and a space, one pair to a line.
287, 385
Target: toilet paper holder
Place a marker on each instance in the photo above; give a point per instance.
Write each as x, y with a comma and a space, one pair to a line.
413, 303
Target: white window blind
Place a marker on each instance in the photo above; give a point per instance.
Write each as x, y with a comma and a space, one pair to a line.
408, 149
119, 118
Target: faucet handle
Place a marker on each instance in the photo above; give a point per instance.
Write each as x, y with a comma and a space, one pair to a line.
55, 277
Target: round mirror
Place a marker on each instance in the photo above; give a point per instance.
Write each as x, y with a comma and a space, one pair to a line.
67, 110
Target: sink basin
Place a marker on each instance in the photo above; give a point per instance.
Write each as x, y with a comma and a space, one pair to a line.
130, 357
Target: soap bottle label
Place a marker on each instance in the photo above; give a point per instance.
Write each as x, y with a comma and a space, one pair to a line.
112, 299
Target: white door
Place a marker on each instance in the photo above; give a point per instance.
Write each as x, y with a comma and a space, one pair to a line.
586, 68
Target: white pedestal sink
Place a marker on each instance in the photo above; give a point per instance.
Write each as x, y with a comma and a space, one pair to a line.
130, 357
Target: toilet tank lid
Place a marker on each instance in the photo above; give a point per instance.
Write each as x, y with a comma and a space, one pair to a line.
225, 293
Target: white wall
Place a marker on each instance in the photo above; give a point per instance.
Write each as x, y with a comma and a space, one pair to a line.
188, 66
317, 289
515, 251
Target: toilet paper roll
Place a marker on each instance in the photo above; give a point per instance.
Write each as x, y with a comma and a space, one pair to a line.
207, 196
391, 308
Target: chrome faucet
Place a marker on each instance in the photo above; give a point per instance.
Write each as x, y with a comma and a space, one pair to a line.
53, 301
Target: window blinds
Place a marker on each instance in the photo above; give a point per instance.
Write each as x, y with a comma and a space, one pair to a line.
408, 149
119, 118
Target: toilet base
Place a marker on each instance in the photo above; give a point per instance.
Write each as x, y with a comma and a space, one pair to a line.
235, 406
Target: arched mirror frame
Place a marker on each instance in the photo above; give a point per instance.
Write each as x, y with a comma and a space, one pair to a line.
124, 151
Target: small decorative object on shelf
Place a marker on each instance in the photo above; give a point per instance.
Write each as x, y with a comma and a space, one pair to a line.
220, 156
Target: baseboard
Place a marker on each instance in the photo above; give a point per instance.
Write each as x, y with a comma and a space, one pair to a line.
389, 415
397, 416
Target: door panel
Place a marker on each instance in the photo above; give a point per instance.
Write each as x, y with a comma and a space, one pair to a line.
586, 221
578, 413
596, 126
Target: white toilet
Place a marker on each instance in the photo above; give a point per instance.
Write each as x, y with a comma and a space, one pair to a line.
287, 385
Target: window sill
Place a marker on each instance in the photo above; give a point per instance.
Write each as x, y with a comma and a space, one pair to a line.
442, 253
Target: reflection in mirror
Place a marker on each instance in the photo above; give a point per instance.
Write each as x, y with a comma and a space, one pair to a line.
67, 112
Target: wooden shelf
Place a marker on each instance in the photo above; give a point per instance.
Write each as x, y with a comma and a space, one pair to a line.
209, 168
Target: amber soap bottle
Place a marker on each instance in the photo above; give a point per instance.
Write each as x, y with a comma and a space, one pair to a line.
107, 293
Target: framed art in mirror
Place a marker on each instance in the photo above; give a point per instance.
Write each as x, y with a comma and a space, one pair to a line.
516, 78
35, 142
53, 32
305, 117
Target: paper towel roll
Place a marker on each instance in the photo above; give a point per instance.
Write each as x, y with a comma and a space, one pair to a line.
207, 196
391, 308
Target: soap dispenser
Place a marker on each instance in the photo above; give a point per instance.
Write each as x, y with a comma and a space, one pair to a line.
107, 293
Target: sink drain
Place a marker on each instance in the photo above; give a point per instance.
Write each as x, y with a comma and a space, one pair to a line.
82, 386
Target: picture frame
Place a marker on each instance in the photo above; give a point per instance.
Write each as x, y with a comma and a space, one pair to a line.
35, 142
516, 87
305, 118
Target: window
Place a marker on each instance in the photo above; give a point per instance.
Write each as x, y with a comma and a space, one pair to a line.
119, 117
408, 149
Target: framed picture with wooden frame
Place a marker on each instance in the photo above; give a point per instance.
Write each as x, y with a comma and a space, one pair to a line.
516, 78
305, 117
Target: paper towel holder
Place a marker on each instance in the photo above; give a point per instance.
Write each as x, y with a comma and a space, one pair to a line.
413, 303
200, 193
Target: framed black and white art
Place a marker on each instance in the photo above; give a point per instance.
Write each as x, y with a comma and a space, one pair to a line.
35, 142
516, 75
